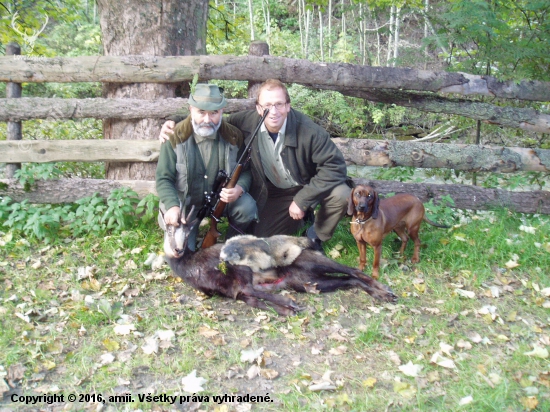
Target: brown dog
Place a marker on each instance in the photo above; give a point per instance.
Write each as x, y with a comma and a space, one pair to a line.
373, 219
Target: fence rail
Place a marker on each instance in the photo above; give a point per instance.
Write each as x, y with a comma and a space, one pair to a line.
350, 79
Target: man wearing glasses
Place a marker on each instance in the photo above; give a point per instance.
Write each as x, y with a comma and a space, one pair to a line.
295, 167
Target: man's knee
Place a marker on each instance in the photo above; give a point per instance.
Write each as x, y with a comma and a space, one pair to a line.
244, 209
339, 196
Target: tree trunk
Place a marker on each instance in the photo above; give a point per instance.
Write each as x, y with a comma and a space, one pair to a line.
251, 16
58, 108
362, 152
134, 27
464, 196
154, 69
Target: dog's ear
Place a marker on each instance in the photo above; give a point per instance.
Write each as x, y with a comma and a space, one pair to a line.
375, 206
351, 204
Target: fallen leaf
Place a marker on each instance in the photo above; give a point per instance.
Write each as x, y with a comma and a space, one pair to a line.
106, 358
404, 389
110, 345
207, 332
269, 373
340, 350
466, 400
463, 344
465, 293
528, 229
250, 355
511, 264
336, 336
3, 387
394, 357
474, 337
442, 361
445, 348
530, 403
323, 386
124, 329
531, 390
538, 352
193, 383
369, 382
165, 335
252, 372
151, 345
410, 369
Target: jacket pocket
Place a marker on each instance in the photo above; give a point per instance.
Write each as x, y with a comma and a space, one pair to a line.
181, 182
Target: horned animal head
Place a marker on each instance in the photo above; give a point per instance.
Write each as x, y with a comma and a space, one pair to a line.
176, 237
30, 39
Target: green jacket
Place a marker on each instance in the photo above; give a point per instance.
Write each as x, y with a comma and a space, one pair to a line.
309, 154
171, 173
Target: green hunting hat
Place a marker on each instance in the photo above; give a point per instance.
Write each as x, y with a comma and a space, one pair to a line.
207, 97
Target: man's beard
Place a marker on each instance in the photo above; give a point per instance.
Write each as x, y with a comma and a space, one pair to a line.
205, 129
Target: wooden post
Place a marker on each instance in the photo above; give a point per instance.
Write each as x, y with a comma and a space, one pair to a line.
257, 48
13, 90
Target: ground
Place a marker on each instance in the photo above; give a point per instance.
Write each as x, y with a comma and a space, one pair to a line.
470, 330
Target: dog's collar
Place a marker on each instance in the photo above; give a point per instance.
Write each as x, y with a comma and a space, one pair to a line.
361, 221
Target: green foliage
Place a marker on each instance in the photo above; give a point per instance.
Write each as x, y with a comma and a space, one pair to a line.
512, 181
120, 211
443, 211
30, 172
112, 311
40, 221
147, 207
33, 15
508, 39
400, 173
340, 115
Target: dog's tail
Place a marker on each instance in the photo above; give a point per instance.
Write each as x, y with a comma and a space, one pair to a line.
435, 224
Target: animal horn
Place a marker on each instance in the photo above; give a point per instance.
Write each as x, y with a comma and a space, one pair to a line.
190, 213
28, 38
14, 27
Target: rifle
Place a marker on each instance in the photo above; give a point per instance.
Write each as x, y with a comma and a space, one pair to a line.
216, 211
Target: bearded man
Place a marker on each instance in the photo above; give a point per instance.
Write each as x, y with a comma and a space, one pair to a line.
189, 162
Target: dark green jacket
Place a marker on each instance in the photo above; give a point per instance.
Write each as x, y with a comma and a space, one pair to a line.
171, 185
309, 154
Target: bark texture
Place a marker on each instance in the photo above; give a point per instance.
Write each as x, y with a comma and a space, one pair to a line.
474, 158
139, 27
362, 152
464, 196
27, 108
152, 68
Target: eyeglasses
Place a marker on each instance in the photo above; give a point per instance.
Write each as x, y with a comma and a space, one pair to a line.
277, 106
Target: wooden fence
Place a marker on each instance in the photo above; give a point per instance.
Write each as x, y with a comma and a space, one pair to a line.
363, 152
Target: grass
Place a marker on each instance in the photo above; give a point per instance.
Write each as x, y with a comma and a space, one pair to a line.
56, 338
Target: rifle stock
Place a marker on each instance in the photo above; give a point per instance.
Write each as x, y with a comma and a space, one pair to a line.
217, 211
213, 233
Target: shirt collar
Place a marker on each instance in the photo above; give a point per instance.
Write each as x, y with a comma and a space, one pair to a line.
281, 132
200, 139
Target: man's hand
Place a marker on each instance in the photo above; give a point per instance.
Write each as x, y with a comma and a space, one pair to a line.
166, 130
230, 195
172, 216
295, 212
